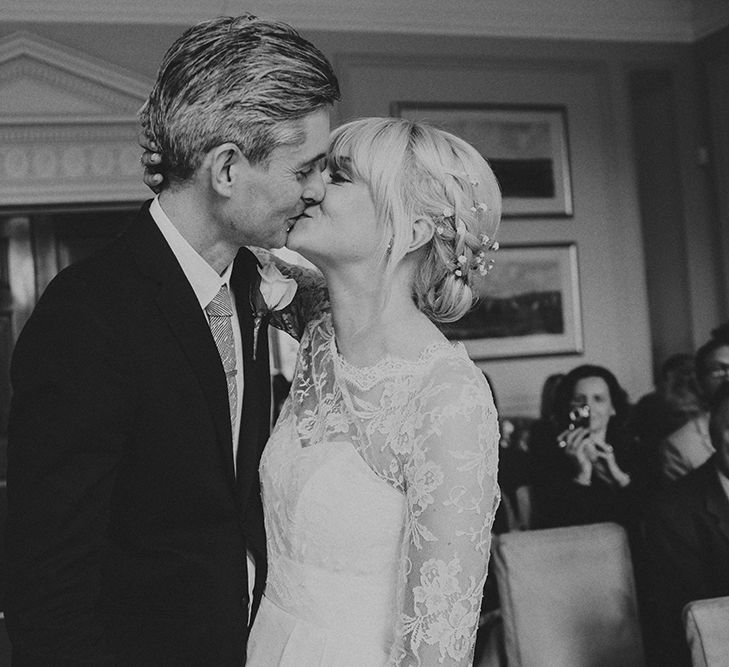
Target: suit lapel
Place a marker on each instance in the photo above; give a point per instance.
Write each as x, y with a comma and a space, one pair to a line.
179, 306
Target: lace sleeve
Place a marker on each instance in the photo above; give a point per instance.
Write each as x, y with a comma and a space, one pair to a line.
451, 500
310, 300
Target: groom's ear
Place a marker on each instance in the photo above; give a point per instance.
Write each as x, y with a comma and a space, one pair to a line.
225, 165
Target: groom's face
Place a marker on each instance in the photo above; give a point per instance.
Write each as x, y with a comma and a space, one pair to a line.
274, 195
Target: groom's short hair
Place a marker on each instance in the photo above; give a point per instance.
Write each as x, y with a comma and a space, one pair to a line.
234, 79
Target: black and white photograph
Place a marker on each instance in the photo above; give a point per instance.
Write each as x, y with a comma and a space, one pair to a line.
364, 334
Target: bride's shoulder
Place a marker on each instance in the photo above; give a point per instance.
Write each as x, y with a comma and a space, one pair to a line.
455, 375
452, 363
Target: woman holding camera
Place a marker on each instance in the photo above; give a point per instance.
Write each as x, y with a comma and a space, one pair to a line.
585, 461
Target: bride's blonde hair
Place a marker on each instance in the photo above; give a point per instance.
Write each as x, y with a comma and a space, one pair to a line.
418, 172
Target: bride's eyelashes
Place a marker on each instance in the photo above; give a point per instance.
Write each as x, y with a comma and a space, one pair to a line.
338, 177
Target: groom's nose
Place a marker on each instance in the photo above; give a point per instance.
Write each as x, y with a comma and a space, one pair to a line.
314, 189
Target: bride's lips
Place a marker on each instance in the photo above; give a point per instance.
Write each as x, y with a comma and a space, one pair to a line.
293, 221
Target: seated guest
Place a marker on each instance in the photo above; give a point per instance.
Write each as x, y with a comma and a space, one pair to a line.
690, 446
686, 545
584, 468
673, 403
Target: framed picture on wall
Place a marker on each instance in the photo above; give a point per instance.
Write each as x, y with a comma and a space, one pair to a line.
527, 148
529, 305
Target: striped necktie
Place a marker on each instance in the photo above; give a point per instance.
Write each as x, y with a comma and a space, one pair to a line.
219, 312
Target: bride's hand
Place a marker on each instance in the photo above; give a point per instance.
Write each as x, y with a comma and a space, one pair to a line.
151, 160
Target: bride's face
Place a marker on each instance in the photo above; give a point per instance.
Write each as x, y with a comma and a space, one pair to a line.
342, 229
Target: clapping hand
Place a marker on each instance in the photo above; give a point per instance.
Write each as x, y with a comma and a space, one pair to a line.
579, 446
607, 468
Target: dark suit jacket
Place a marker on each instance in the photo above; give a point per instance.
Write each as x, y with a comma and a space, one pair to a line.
127, 528
686, 557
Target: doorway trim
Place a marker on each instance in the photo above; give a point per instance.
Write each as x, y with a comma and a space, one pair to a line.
68, 125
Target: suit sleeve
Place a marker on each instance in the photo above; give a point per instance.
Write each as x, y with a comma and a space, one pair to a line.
68, 426
674, 575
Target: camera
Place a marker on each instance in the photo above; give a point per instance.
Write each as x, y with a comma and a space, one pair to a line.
580, 417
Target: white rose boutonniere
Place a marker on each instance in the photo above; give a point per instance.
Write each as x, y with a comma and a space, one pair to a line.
274, 292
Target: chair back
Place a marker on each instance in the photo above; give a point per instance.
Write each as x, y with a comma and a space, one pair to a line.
707, 631
568, 597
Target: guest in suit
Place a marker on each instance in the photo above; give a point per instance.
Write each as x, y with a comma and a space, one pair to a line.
674, 402
136, 429
686, 544
690, 446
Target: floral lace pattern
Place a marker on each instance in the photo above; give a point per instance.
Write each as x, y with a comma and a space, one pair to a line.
428, 429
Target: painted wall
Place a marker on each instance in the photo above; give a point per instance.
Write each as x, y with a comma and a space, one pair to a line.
591, 79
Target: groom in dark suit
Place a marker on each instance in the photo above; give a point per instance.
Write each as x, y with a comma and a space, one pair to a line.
686, 541
140, 407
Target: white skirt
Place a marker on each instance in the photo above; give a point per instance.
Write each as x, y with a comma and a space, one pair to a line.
280, 639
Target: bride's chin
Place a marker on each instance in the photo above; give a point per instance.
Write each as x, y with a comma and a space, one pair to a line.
296, 243
291, 241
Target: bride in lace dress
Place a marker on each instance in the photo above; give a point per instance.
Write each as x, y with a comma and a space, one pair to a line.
379, 479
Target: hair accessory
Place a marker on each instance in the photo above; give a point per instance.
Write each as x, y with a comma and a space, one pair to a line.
469, 251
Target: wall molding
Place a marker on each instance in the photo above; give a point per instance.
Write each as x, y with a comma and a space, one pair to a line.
68, 126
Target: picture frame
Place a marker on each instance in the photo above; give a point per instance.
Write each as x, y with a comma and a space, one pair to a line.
529, 305
526, 146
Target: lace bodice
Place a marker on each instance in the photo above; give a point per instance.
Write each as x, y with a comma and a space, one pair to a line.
382, 481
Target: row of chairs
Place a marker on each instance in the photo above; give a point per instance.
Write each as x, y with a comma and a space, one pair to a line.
568, 599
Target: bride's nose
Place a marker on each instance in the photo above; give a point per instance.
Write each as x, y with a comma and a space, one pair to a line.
315, 189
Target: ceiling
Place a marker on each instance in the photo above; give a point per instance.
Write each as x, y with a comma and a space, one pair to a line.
626, 20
